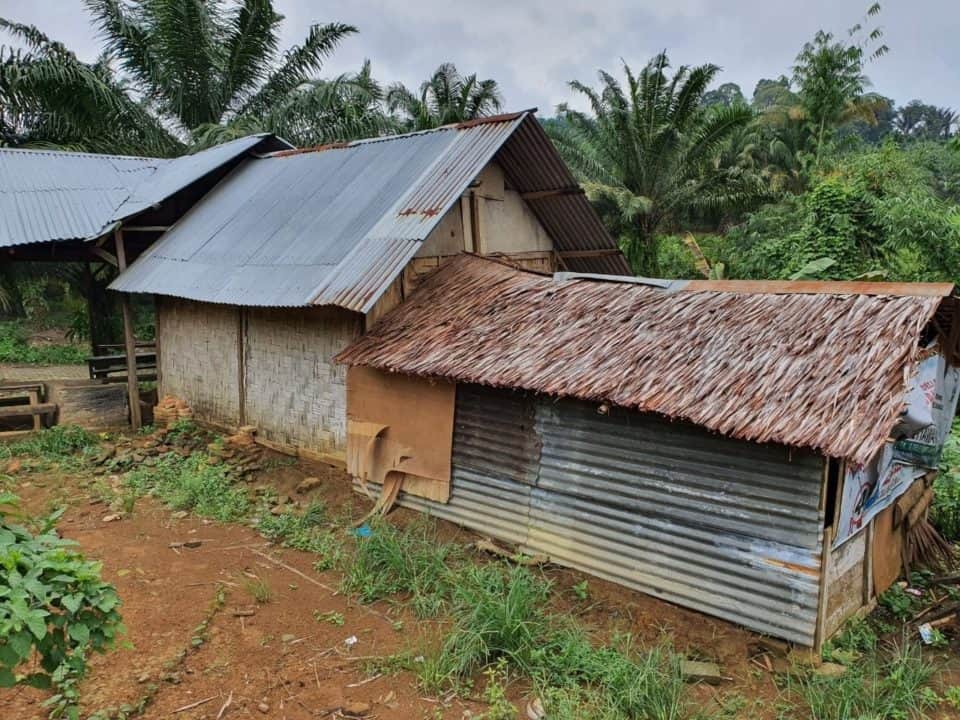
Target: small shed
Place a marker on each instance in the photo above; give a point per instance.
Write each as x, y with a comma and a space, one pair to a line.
739, 448
293, 254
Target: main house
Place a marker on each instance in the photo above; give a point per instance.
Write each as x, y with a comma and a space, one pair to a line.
294, 254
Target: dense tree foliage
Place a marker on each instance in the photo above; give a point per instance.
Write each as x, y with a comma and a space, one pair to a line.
173, 71
647, 152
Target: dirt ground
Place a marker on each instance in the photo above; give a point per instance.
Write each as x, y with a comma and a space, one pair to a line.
190, 653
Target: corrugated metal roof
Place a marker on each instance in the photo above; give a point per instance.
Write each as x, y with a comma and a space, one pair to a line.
49, 196
173, 176
335, 226
825, 370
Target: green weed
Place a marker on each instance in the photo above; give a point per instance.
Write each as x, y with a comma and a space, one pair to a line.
901, 604
259, 590
857, 638
945, 509
890, 684
495, 694
56, 443
410, 560
15, 349
305, 532
191, 483
498, 612
332, 617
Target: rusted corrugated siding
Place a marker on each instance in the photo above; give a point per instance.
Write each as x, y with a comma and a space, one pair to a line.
824, 371
726, 527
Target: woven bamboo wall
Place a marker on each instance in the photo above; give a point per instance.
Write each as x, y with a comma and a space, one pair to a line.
199, 357
295, 392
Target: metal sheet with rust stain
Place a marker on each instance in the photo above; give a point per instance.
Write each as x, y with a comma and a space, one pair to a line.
729, 528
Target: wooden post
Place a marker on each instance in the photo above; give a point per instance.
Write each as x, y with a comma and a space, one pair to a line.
130, 343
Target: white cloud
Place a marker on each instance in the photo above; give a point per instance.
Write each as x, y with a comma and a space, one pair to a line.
533, 47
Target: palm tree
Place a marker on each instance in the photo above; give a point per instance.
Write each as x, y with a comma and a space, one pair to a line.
193, 65
447, 97
829, 75
315, 113
648, 155
49, 97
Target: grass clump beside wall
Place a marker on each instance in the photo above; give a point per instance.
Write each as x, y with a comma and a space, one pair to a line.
500, 617
892, 683
191, 483
411, 560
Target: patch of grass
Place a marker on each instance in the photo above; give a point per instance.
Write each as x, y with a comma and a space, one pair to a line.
333, 617
308, 531
56, 443
498, 612
892, 683
857, 638
14, 348
191, 483
410, 560
259, 590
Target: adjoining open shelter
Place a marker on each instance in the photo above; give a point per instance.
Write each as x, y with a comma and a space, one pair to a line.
102, 209
748, 449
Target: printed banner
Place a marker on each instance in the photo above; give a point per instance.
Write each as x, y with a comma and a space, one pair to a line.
931, 402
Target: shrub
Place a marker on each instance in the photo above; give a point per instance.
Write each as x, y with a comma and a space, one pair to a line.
53, 605
945, 511
14, 348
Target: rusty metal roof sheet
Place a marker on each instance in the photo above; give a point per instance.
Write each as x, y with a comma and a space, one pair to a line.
823, 369
336, 225
50, 196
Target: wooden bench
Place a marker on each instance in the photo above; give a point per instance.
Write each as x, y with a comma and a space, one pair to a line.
26, 399
103, 366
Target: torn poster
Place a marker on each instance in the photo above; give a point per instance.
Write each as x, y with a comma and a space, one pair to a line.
931, 402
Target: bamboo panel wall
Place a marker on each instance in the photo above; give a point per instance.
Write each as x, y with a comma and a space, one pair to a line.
295, 393
199, 357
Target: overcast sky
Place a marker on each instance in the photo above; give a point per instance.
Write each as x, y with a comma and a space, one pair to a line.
533, 47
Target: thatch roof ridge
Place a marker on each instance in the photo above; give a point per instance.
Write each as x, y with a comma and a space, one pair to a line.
821, 370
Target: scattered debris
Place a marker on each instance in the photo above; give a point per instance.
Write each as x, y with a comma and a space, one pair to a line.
245, 612
185, 544
263, 707
535, 710
112, 517
192, 705
224, 707
308, 484
488, 546
351, 641
698, 671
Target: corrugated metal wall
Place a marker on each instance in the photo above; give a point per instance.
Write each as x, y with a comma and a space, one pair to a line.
726, 527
